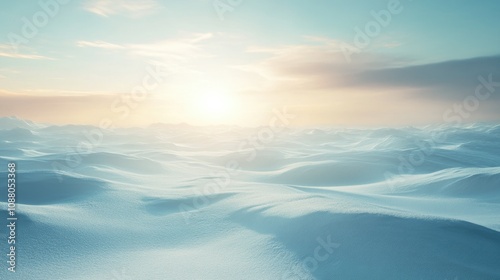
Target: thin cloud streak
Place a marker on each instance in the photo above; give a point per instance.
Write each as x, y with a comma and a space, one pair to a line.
98, 44
179, 48
6, 51
23, 56
130, 8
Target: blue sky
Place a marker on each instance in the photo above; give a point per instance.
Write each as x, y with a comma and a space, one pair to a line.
261, 55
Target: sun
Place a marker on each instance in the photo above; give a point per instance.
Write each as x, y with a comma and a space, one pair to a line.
215, 105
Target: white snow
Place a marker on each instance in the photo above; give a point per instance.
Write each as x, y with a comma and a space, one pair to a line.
161, 203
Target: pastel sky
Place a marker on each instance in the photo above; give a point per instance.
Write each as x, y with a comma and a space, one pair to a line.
380, 62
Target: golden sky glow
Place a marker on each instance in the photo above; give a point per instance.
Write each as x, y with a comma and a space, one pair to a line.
155, 61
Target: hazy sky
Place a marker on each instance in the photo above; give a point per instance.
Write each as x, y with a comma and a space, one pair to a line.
235, 61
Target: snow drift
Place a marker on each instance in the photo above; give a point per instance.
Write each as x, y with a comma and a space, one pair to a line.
181, 202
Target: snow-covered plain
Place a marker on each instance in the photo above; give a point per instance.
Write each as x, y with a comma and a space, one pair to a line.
181, 202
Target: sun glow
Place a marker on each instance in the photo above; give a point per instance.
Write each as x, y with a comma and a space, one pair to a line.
215, 105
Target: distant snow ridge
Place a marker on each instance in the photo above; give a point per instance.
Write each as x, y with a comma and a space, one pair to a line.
182, 202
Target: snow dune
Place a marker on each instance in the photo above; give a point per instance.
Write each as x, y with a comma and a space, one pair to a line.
166, 202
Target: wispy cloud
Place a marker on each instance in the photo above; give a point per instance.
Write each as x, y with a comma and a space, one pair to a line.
23, 56
60, 92
6, 51
180, 55
130, 8
318, 74
171, 50
317, 63
98, 44
322, 67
